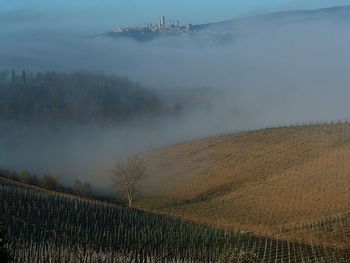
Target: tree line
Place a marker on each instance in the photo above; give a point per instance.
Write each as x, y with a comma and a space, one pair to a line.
48, 181
73, 97
126, 177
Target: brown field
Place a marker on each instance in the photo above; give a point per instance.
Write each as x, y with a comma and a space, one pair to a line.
287, 183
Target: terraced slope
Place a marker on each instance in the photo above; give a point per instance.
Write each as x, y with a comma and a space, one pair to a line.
291, 183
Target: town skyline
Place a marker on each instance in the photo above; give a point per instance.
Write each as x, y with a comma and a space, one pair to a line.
162, 25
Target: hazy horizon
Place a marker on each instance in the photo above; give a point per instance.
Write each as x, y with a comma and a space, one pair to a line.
279, 74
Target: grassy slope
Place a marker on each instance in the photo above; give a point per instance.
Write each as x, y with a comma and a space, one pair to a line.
292, 183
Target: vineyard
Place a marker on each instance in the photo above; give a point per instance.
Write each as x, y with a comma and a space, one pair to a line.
280, 193
46, 227
288, 183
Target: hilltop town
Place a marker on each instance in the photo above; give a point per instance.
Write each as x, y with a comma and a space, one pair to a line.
172, 26
149, 31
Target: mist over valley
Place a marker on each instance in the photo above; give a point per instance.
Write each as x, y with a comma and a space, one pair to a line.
281, 69
160, 131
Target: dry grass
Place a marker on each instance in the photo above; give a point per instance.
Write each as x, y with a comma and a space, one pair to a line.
290, 183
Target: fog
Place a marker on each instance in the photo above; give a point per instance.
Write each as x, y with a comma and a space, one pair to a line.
272, 74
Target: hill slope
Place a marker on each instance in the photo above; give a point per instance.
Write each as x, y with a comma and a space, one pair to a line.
339, 13
46, 226
291, 183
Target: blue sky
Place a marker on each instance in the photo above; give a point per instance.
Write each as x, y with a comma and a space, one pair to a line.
101, 15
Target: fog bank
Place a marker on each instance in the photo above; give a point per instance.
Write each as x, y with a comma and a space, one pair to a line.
271, 74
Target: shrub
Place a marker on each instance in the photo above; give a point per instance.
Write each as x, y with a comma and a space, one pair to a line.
77, 187
82, 189
87, 190
238, 256
29, 178
51, 182
9, 174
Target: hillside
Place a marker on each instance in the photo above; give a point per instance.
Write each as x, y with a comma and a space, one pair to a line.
336, 14
47, 226
56, 227
227, 31
288, 183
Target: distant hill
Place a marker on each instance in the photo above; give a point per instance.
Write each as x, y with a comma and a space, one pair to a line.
226, 31
340, 13
290, 183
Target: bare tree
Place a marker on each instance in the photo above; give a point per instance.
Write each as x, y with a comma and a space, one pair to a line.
127, 175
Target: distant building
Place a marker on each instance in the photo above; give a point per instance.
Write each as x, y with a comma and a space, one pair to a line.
119, 30
162, 21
